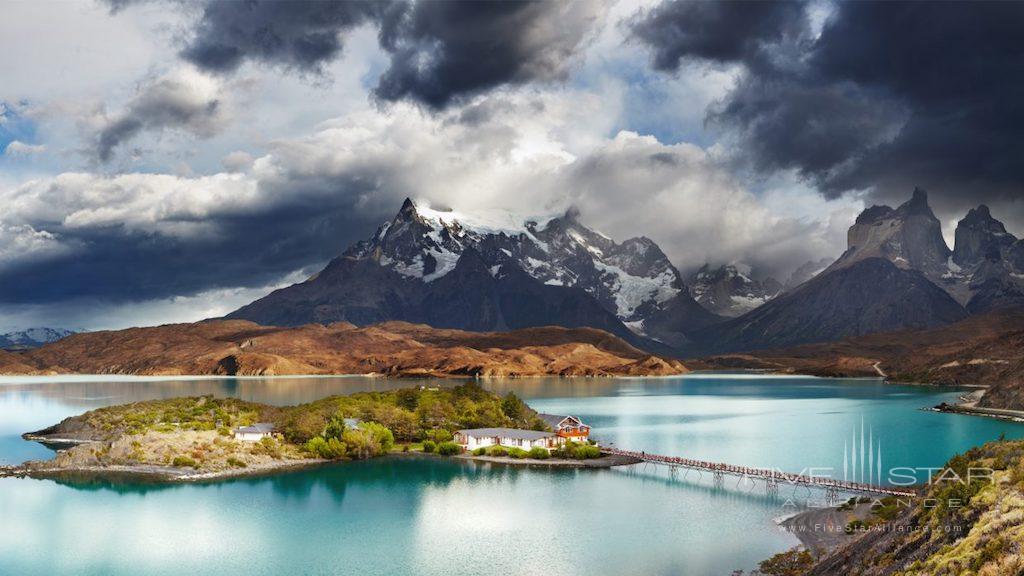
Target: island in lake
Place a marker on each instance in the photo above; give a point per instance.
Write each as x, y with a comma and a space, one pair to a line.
206, 437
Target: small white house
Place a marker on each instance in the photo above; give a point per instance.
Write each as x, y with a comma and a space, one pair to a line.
255, 433
508, 437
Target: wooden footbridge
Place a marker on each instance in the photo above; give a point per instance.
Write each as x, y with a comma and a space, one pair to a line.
771, 478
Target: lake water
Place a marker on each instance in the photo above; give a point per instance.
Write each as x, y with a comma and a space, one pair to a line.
425, 515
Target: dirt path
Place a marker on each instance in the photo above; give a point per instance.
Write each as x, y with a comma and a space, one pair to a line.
878, 368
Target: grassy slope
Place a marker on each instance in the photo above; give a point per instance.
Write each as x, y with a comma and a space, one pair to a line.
982, 537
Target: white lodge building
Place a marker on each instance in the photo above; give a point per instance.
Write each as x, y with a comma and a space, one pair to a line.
566, 428
508, 437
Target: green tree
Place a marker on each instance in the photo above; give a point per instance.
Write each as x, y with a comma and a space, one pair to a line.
513, 407
380, 434
407, 398
331, 449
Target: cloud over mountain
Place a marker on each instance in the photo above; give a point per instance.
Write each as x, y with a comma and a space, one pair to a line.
438, 51
138, 236
886, 96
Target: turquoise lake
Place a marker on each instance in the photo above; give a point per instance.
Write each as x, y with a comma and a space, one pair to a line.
431, 516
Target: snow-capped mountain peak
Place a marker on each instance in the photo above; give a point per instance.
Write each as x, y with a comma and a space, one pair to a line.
32, 337
632, 279
730, 290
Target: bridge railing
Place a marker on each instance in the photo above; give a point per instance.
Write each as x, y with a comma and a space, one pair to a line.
764, 473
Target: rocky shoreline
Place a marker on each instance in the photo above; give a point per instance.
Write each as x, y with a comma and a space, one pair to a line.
605, 461
968, 405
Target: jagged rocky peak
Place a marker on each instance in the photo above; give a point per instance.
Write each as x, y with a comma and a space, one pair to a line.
909, 236
730, 289
634, 279
980, 237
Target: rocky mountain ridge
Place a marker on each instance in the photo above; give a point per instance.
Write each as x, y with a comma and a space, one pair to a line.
729, 290
494, 271
32, 337
896, 274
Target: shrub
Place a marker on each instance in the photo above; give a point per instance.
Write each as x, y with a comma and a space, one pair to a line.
587, 452
518, 453
330, 449
268, 446
789, 563
539, 453
448, 448
236, 462
183, 461
500, 451
380, 434
480, 451
429, 445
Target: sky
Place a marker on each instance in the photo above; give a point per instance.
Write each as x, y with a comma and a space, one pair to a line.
166, 161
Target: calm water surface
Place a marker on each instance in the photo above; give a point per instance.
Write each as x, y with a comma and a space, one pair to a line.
420, 515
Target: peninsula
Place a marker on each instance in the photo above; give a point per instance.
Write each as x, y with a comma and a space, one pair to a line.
205, 437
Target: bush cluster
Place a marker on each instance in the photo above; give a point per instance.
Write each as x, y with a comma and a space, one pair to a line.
448, 448
577, 451
184, 461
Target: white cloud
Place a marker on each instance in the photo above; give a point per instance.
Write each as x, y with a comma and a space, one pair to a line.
23, 242
21, 149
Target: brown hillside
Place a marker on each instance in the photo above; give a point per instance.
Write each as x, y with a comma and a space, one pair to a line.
986, 349
239, 347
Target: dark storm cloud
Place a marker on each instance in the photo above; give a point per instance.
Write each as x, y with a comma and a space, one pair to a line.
444, 50
890, 95
255, 246
180, 100
723, 32
297, 34
439, 51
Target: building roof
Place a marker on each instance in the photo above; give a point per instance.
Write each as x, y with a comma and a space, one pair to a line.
515, 433
258, 428
554, 420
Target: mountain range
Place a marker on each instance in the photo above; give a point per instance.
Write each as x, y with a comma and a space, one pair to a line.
32, 337
493, 272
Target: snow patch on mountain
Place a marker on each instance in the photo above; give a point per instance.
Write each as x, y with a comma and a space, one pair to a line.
633, 279
632, 291
731, 290
33, 337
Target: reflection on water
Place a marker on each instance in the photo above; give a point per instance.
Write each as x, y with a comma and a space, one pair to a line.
425, 515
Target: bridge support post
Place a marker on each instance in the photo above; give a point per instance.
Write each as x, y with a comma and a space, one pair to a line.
771, 487
719, 479
831, 495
